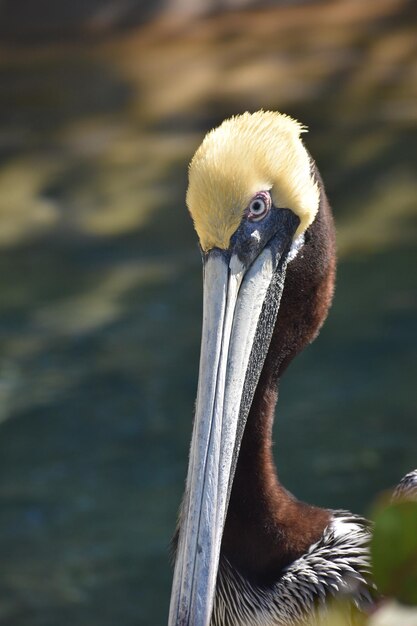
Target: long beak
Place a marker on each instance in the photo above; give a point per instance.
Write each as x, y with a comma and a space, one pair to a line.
234, 299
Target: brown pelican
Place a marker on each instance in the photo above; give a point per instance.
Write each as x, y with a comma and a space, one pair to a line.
247, 551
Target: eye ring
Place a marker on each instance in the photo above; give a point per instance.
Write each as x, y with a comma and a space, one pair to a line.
259, 206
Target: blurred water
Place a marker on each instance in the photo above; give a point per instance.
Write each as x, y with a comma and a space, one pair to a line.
101, 295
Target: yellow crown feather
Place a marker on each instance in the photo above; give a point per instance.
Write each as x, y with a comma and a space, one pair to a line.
249, 153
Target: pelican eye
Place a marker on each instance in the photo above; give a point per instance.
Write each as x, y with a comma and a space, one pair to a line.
259, 206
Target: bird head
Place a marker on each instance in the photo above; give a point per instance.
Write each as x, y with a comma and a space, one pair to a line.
250, 156
253, 192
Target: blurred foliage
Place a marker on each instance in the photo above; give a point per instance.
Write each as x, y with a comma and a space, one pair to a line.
391, 613
394, 551
388, 613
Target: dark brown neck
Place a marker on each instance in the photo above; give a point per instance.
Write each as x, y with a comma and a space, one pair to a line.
266, 527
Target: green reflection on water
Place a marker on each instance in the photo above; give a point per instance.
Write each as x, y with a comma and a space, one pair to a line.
101, 302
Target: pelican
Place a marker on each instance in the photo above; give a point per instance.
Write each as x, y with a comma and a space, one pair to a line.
247, 551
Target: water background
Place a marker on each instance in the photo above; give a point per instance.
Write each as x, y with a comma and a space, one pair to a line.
100, 283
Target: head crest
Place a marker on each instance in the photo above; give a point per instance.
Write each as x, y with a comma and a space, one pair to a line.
246, 154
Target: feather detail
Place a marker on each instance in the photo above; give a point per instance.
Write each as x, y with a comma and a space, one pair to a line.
337, 565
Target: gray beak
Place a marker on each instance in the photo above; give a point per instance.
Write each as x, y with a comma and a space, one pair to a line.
235, 293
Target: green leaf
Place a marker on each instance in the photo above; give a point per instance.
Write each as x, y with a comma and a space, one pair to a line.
394, 551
